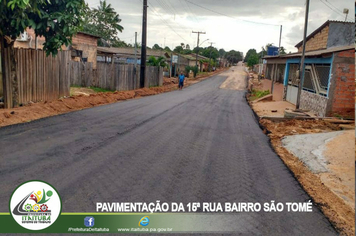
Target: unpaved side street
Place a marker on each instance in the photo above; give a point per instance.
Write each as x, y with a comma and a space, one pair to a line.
235, 78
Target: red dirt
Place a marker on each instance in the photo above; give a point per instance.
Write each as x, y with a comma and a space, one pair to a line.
340, 214
34, 111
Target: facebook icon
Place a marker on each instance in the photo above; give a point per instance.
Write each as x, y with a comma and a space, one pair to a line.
89, 221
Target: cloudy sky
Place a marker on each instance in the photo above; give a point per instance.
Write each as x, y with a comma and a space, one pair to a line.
230, 24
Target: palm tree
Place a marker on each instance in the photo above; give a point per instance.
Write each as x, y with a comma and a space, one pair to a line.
104, 22
107, 16
152, 61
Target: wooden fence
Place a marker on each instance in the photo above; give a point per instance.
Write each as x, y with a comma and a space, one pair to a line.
40, 78
113, 76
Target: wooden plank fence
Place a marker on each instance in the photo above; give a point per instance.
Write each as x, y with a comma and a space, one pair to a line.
115, 77
40, 78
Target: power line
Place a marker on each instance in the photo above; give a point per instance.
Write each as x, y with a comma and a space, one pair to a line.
181, 26
164, 21
332, 8
165, 7
222, 14
189, 9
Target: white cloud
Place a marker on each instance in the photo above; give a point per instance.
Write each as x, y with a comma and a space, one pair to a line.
228, 32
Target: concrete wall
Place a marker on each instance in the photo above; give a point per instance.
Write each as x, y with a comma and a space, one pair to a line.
341, 34
314, 102
342, 89
317, 42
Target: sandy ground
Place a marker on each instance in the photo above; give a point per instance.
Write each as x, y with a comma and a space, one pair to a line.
340, 179
236, 79
336, 208
331, 156
81, 91
272, 109
85, 98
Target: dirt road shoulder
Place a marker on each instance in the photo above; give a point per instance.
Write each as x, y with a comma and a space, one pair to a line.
35, 111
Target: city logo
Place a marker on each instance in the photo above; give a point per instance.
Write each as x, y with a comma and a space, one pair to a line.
144, 221
35, 205
89, 221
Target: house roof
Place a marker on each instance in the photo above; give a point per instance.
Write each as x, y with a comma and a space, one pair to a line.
128, 51
327, 23
92, 35
189, 57
199, 56
312, 53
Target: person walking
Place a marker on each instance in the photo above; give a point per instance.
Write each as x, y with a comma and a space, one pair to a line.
181, 80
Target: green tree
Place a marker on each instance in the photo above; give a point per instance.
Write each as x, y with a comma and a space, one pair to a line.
178, 49
119, 44
57, 21
252, 60
249, 53
210, 52
222, 53
167, 49
153, 61
282, 51
103, 21
198, 50
233, 56
157, 47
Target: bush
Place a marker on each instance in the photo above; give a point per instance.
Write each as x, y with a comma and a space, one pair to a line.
191, 68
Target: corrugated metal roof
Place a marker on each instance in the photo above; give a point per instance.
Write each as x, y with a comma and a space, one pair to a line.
131, 51
313, 53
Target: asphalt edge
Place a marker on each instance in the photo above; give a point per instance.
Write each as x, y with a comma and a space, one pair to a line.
266, 132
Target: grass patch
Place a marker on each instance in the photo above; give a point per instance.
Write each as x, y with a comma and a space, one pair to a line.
256, 94
100, 90
203, 73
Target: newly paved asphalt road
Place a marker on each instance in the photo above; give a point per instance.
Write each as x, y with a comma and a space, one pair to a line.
201, 144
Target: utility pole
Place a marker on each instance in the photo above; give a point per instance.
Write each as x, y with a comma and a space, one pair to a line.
280, 38
302, 66
199, 33
143, 46
135, 50
135, 63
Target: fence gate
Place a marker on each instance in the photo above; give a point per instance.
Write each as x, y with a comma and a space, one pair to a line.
292, 88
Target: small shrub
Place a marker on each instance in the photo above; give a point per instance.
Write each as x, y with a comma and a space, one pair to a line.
259, 94
191, 68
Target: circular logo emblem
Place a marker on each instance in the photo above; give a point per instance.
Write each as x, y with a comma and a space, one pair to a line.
35, 205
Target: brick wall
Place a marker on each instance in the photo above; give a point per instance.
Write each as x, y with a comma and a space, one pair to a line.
318, 41
84, 39
343, 97
29, 43
88, 45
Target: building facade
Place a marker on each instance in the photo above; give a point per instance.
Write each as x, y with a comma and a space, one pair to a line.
328, 86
